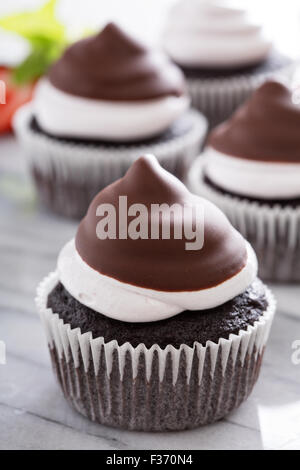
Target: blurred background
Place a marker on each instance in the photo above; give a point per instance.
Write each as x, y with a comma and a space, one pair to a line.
42, 35
32, 413
146, 17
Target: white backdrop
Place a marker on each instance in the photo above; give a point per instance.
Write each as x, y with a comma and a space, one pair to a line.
145, 17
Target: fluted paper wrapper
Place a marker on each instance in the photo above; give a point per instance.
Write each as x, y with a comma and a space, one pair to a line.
273, 231
68, 175
218, 98
153, 389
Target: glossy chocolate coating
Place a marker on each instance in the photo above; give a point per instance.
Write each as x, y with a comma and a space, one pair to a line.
113, 66
161, 264
265, 128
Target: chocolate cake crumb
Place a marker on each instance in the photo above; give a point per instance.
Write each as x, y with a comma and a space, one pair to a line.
185, 328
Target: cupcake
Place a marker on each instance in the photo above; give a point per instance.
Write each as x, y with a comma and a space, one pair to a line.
223, 53
104, 102
251, 170
155, 321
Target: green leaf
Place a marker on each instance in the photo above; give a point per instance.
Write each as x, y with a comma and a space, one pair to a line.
41, 23
38, 62
46, 35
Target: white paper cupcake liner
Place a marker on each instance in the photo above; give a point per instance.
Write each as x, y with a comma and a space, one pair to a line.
218, 98
273, 231
68, 174
153, 389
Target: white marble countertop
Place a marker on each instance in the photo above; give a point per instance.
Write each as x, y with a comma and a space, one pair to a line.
33, 412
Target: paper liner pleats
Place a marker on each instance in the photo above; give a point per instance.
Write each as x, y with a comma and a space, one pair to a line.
68, 175
272, 230
218, 98
153, 389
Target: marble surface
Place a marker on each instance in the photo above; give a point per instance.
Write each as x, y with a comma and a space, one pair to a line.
33, 413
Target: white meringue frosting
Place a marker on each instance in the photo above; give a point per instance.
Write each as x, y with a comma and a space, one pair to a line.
66, 115
252, 178
213, 34
126, 302
151, 276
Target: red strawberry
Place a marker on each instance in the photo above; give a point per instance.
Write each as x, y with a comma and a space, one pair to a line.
15, 96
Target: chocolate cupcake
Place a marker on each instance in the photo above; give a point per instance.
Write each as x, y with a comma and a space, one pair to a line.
155, 332
107, 100
251, 170
223, 53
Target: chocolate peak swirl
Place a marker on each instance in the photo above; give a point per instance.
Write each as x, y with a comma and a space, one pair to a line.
161, 264
265, 128
113, 66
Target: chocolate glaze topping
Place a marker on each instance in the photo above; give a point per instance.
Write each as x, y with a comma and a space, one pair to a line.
161, 264
265, 128
114, 66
